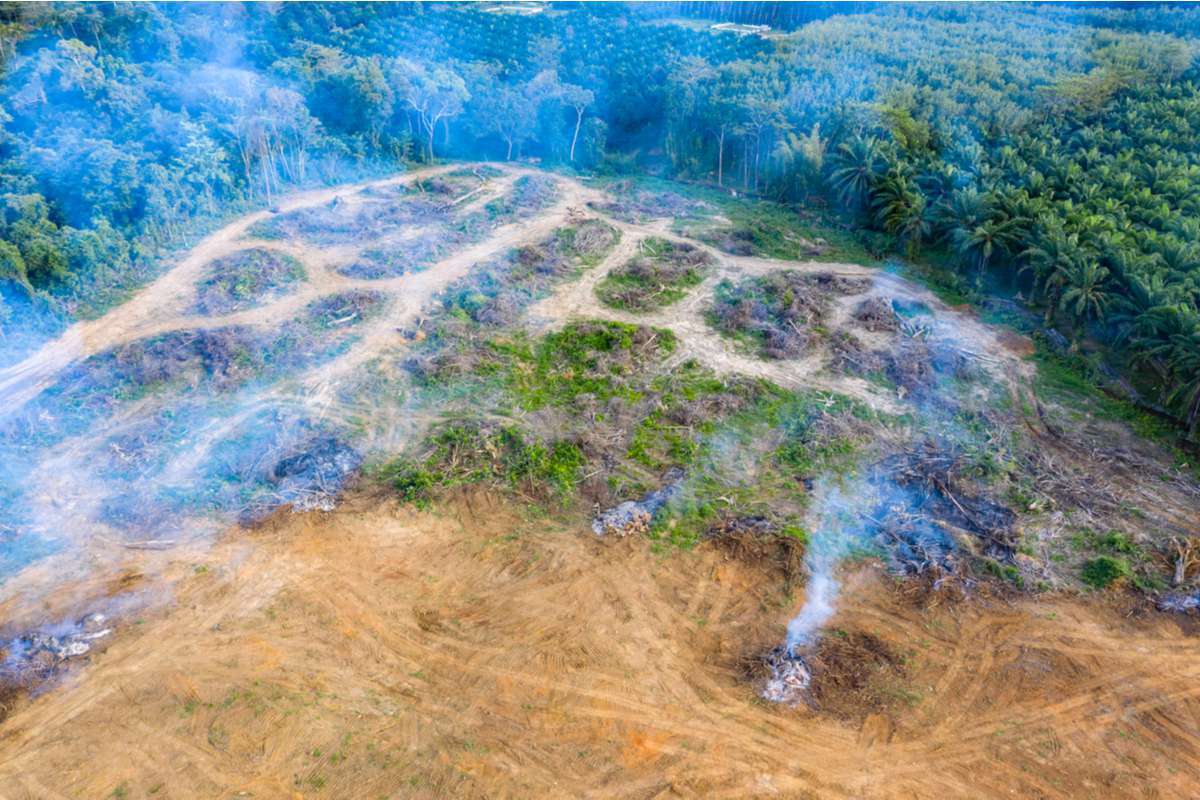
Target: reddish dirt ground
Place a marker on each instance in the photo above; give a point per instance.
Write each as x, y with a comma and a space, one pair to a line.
377, 652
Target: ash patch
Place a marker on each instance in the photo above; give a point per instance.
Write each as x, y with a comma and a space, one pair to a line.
634, 516
936, 502
844, 674
1179, 602
312, 476
32, 658
790, 678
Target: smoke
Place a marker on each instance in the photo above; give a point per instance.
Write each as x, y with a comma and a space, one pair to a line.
837, 526
895, 507
150, 447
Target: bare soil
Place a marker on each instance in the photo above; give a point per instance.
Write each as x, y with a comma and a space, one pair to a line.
375, 652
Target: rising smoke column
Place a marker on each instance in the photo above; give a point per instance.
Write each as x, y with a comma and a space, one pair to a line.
836, 525
839, 522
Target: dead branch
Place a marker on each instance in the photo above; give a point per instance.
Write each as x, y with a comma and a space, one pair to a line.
1185, 555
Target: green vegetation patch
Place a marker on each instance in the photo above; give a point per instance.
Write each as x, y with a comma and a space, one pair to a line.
246, 278
1103, 571
658, 276
1074, 383
464, 452
739, 451
753, 470
599, 360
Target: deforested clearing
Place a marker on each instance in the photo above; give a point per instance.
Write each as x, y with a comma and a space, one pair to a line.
598, 401
379, 633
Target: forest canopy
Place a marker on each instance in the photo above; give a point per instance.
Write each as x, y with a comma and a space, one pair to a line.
1047, 149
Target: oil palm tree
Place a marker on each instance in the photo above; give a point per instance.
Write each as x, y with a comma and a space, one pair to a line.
858, 164
1084, 295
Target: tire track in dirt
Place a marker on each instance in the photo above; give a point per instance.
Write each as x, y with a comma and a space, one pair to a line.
340, 627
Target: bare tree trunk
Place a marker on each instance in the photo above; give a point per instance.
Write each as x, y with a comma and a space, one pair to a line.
745, 163
756, 148
430, 129
575, 136
1185, 557
721, 157
508, 155
266, 162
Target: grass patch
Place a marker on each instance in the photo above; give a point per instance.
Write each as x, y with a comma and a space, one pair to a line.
661, 274
462, 453
591, 412
754, 468
1072, 383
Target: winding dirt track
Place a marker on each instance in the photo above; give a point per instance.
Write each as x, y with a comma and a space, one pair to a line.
373, 652
164, 305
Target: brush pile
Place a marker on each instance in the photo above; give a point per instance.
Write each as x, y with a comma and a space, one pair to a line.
246, 278
637, 206
789, 679
634, 517
929, 473
783, 313
658, 276
877, 315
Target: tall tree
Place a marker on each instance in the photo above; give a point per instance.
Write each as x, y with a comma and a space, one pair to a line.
578, 99
434, 92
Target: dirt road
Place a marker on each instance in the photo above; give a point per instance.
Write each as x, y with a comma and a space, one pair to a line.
164, 305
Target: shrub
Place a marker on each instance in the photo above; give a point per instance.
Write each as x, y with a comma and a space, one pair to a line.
1102, 572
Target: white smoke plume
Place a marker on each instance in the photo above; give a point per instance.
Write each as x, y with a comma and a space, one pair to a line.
836, 525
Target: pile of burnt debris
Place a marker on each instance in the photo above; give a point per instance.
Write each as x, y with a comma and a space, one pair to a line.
789, 677
844, 674
274, 458
932, 511
635, 516
1179, 602
35, 655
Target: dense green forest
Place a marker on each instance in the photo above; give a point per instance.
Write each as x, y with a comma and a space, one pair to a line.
1042, 151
